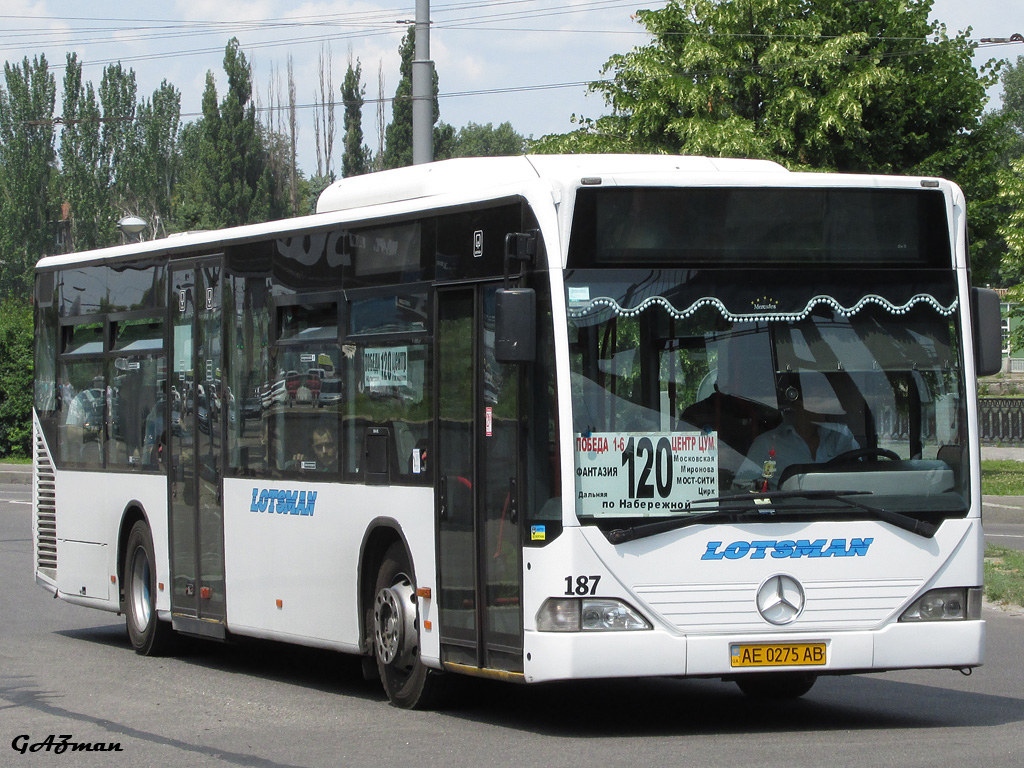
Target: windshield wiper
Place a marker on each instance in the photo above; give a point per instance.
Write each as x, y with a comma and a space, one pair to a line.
747, 504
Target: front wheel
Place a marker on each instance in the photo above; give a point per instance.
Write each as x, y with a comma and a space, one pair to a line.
396, 642
776, 685
149, 636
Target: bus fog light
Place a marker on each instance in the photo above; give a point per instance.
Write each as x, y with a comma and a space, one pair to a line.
943, 605
612, 615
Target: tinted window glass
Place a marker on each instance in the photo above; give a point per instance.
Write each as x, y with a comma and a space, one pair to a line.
82, 291
139, 335
388, 314
137, 287
757, 225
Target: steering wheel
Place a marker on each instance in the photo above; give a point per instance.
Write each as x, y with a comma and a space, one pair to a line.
862, 453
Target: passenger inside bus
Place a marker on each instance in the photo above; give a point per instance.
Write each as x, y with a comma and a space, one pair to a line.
322, 455
807, 435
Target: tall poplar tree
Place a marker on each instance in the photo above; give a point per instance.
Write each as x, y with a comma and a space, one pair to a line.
398, 135
356, 158
159, 128
83, 183
27, 210
228, 180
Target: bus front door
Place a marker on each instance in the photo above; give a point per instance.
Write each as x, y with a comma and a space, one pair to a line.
196, 514
478, 487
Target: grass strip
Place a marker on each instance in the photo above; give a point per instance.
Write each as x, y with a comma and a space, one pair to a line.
1004, 575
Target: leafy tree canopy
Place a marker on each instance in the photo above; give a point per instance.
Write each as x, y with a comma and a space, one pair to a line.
475, 140
822, 84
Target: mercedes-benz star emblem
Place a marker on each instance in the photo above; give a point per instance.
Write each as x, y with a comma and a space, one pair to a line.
780, 599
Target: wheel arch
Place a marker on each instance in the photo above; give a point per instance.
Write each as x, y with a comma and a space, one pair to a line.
134, 511
380, 534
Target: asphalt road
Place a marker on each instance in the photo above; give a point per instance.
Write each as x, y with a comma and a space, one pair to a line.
69, 671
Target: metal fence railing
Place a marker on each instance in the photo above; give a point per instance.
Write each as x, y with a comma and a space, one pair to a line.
1001, 420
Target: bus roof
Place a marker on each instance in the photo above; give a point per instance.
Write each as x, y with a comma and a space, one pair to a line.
447, 176
479, 177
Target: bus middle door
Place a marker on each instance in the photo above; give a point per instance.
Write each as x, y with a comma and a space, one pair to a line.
196, 522
480, 547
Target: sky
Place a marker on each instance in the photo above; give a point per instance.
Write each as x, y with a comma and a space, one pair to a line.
522, 61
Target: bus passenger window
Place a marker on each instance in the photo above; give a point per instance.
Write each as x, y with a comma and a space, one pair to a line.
82, 414
387, 390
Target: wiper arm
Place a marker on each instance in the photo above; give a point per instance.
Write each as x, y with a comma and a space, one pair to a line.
919, 527
761, 505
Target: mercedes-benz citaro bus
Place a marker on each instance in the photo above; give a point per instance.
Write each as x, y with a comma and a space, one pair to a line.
533, 418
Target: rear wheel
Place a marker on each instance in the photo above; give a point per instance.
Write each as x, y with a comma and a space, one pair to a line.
149, 636
776, 685
396, 642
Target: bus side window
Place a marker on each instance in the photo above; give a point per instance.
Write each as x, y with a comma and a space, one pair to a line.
387, 392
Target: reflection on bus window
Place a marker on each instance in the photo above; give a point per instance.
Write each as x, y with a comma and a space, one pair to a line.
82, 413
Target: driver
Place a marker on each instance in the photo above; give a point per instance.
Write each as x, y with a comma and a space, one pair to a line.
803, 437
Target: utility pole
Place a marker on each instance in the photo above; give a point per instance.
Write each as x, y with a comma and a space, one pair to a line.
422, 89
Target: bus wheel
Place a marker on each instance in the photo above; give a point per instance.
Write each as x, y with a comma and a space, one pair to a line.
408, 683
776, 685
149, 636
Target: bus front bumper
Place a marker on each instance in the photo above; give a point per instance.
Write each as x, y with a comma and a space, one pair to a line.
654, 653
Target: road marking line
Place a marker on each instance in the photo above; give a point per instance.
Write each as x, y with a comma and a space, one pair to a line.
1000, 506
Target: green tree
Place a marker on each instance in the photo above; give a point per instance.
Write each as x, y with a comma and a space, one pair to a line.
1012, 193
398, 135
238, 145
225, 158
474, 140
355, 160
1012, 109
26, 171
16, 377
81, 187
988, 182
823, 84
159, 127
119, 140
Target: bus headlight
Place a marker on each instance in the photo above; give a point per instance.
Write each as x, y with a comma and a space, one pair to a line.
574, 614
946, 604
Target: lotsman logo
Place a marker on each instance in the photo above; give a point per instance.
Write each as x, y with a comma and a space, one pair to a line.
758, 550
283, 502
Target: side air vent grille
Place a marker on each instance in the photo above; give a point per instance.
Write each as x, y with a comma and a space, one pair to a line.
46, 511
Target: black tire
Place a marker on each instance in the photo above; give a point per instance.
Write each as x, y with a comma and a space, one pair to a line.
396, 644
776, 685
148, 635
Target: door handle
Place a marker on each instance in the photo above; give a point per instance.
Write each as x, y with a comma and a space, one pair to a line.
513, 501
442, 500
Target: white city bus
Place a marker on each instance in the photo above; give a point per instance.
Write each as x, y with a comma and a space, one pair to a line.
533, 418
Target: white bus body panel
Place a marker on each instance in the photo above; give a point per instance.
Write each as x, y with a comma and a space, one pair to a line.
91, 506
310, 562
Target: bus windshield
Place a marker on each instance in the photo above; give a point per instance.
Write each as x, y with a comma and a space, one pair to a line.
691, 385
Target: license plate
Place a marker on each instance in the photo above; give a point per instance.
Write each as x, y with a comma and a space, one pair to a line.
778, 654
